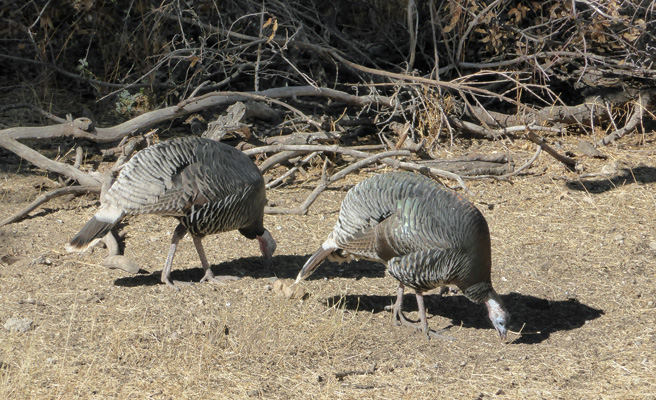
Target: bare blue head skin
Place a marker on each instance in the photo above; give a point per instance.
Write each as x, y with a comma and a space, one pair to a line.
498, 314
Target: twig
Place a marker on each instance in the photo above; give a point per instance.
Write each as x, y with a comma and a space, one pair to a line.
470, 27
303, 208
538, 150
43, 162
47, 197
126, 152
410, 166
68, 74
570, 163
287, 106
189, 106
291, 170
32, 107
79, 155
636, 118
343, 374
412, 31
505, 177
430, 171
497, 133
460, 87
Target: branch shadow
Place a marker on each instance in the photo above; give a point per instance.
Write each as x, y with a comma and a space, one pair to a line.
640, 174
284, 267
537, 317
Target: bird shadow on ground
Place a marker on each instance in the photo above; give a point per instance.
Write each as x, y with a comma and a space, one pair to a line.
536, 318
640, 174
284, 267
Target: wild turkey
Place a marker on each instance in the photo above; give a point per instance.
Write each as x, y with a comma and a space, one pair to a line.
427, 235
208, 186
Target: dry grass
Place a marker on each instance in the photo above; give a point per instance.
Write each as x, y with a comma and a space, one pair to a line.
574, 263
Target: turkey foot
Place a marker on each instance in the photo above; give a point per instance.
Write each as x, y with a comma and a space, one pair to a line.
210, 277
422, 324
175, 284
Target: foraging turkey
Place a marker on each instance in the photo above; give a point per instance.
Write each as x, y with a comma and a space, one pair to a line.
208, 186
427, 235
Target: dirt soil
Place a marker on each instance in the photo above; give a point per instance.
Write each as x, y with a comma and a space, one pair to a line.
574, 262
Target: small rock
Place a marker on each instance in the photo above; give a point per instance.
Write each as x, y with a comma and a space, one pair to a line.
121, 262
21, 325
254, 392
278, 285
652, 245
43, 260
9, 259
588, 149
268, 288
95, 298
290, 292
609, 169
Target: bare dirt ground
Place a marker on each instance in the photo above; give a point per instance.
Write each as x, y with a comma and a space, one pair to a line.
574, 262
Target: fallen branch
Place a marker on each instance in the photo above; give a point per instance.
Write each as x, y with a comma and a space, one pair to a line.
83, 128
472, 165
570, 163
326, 181
538, 150
410, 166
189, 106
634, 120
47, 197
494, 134
43, 162
279, 158
291, 171
343, 374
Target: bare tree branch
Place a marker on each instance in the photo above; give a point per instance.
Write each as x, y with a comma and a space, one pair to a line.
570, 163
189, 106
44, 198
43, 162
303, 208
634, 120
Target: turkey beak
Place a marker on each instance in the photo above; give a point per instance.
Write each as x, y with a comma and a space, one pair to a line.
502, 333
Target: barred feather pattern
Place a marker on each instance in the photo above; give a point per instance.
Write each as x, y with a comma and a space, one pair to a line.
427, 235
209, 186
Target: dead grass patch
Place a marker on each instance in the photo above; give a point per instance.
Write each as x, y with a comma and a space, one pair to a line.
575, 262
